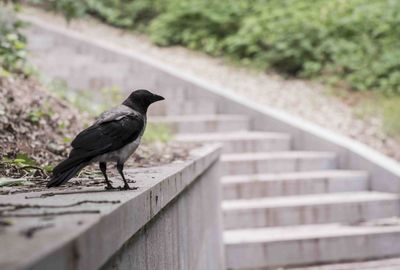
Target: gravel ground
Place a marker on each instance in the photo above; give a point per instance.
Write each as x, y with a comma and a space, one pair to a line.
301, 98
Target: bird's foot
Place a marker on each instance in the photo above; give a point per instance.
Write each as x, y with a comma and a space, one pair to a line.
127, 187
109, 187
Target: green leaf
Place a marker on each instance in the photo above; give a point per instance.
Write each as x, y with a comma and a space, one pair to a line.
9, 182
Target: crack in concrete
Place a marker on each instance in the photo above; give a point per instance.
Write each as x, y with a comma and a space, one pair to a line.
51, 194
49, 214
16, 207
31, 231
38, 206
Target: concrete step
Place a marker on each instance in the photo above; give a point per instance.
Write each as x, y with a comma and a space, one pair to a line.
382, 264
346, 207
277, 162
203, 123
242, 141
293, 183
188, 107
311, 244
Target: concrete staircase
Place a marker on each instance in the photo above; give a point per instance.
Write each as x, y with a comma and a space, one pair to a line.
283, 207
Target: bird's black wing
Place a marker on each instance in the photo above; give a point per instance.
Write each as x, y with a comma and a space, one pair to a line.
108, 136
102, 137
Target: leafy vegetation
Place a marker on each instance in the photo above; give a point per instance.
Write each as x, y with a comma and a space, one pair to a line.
157, 133
10, 182
23, 162
388, 109
12, 43
125, 14
355, 42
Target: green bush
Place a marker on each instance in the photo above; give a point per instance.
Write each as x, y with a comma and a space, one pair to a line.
70, 8
119, 13
12, 42
355, 41
125, 14
200, 25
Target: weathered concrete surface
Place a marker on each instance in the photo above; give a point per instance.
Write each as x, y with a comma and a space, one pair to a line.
172, 222
184, 236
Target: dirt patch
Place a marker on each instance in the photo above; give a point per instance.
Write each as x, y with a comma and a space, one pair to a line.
35, 128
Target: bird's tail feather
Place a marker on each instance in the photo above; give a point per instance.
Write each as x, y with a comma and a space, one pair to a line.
62, 175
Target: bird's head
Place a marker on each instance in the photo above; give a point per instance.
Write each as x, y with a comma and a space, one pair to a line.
140, 100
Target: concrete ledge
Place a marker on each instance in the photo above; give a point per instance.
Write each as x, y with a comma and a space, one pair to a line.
171, 222
149, 73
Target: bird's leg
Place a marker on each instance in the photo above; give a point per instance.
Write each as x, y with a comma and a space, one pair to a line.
103, 168
120, 168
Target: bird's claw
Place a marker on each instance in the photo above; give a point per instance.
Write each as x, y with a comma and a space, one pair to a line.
109, 187
127, 187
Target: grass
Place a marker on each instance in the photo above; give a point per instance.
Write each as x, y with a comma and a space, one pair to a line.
386, 108
23, 161
367, 105
157, 133
391, 116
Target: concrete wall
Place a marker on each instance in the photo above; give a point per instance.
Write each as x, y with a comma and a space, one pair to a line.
101, 60
184, 235
171, 222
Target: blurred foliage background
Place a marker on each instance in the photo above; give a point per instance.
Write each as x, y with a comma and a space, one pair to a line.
12, 42
347, 44
352, 43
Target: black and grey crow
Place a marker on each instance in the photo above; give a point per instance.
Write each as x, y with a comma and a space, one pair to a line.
112, 138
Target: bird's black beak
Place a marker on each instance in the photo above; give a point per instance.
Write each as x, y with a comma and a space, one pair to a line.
156, 98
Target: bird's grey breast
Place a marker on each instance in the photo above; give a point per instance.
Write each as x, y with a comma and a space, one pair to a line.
122, 154
125, 152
